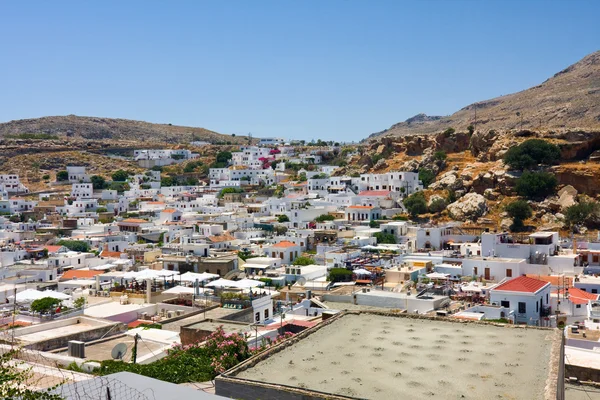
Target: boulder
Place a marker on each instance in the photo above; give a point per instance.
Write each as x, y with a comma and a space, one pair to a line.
434, 198
505, 224
449, 181
470, 207
567, 197
490, 194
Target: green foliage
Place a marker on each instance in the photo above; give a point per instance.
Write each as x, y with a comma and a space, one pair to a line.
518, 210
230, 190
191, 166
75, 245
101, 209
536, 185
373, 224
439, 155
320, 176
471, 130
120, 175
400, 217
302, 177
119, 186
283, 218
339, 275
14, 376
158, 168
79, 302
98, 182
167, 181
530, 153
383, 237
448, 132
46, 177
426, 176
224, 156
303, 261
451, 196
584, 213
324, 217
62, 176
437, 206
415, 204
44, 305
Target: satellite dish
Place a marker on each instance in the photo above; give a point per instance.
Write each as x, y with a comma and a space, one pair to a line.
118, 352
301, 281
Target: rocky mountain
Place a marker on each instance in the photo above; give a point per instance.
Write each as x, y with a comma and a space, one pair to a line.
72, 126
568, 100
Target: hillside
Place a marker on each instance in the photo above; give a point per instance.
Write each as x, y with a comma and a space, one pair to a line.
568, 100
73, 126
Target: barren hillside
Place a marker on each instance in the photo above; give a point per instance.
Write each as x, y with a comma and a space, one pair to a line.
568, 100
73, 126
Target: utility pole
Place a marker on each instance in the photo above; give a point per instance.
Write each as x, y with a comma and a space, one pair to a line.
135, 345
12, 343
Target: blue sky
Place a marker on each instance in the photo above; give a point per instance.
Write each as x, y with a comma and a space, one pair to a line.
311, 69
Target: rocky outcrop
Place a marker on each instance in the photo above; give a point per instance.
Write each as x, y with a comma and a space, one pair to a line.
567, 197
584, 178
469, 207
448, 181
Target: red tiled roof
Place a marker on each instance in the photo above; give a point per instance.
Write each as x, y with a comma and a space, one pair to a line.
374, 193
554, 280
578, 296
522, 284
134, 221
221, 238
361, 207
110, 254
285, 244
80, 274
137, 323
53, 249
169, 210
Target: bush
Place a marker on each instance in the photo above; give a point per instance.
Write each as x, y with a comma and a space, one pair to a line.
75, 245
383, 237
44, 305
223, 157
415, 204
339, 275
303, 261
229, 190
283, 218
101, 209
426, 176
451, 197
62, 176
167, 181
585, 213
439, 155
324, 217
98, 182
373, 224
120, 176
437, 206
471, 130
449, 132
46, 177
536, 185
519, 211
530, 153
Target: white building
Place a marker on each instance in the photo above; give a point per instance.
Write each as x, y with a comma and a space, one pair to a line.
82, 190
77, 174
10, 183
528, 298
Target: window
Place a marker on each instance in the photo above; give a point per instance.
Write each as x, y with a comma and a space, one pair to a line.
522, 307
474, 270
537, 306
267, 313
505, 304
257, 317
595, 291
509, 273
577, 306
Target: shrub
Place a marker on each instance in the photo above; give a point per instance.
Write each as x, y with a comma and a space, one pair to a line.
46, 177
303, 261
224, 157
79, 302
101, 210
585, 213
44, 305
373, 224
426, 176
120, 176
536, 185
98, 182
62, 176
449, 132
519, 211
471, 130
283, 218
415, 204
383, 237
229, 190
75, 245
439, 155
451, 197
339, 275
437, 206
530, 153
324, 217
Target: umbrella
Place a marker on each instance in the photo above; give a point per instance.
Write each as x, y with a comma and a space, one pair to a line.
361, 271
248, 283
166, 272
192, 276
221, 283
183, 290
30, 295
141, 275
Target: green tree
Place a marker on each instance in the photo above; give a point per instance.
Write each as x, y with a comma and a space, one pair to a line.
383, 237
62, 176
584, 213
373, 224
536, 185
437, 206
302, 177
98, 182
471, 130
415, 204
224, 156
44, 305
339, 275
449, 132
303, 261
451, 196
75, 245
79, 302
439, 155
229, 190
120, 176
426, 176
324, 217
283, 218
518, 210
531, 153
167, 181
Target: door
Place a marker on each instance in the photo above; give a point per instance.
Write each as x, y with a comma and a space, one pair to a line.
487, 274
509, 273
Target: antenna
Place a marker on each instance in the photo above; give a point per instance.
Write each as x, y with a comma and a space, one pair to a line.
301, 281
118, 352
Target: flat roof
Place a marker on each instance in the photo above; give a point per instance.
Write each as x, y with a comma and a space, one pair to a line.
378, 356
